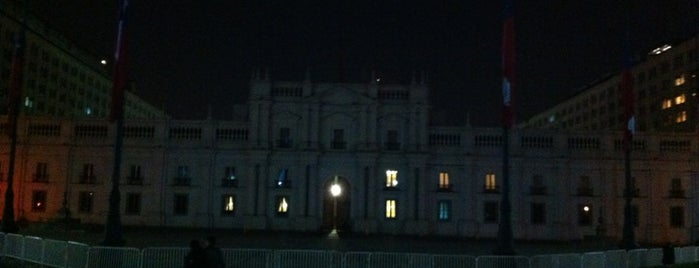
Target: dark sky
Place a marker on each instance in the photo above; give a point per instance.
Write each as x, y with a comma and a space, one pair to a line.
186, 55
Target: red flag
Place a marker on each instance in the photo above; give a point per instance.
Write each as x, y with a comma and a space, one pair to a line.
120, 73
508, 64
14, 94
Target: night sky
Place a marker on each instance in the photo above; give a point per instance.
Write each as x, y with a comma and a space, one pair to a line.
186, 55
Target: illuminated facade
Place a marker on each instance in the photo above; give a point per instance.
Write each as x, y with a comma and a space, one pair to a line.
60, 79
665, 90
397, 174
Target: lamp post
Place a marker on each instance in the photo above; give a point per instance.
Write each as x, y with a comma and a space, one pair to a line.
335, 191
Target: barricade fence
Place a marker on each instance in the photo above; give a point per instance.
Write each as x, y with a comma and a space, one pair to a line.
55, 253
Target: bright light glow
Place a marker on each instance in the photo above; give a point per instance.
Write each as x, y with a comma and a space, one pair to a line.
444, 180
586, 208
490, 182
391, 178
283, 206
103, 62
552, 118
28, 102
659, 50
230, 205
667, 103
681, 117
679, 99
390, 209
335, 190
679, 80
88, 110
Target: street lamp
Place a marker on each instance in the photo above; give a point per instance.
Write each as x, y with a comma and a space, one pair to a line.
335, 192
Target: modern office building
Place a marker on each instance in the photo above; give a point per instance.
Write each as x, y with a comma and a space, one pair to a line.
394, 173
60, 79
665, 95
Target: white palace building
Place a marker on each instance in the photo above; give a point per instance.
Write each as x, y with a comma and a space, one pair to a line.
397, 174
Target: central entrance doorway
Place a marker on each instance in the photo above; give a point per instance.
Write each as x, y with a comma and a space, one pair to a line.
336, 205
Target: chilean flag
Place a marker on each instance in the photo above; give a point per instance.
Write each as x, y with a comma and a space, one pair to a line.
508, 64
120, 73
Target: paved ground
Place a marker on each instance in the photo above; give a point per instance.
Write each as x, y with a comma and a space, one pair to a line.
154, 237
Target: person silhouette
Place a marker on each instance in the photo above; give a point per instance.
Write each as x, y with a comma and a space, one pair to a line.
196, 257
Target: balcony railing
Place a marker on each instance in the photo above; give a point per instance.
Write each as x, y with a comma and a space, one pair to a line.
491, 189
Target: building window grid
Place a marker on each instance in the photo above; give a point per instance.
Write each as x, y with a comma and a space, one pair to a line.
185, 133
444, 140
90, 131
232, 134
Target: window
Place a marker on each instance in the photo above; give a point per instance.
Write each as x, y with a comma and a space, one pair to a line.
537, 187
677, 217
181, 204
490, 212
676, 190
39, 201
338, 141
228, 205
283, 179
282, 206
680, 99
681, 117
444, 210
88, 174
667, 103
490, 183
85, 201
679, 80
392, 140
41, 174
584, 215
584, 186
537, 213
391, 178
133, 204
229, 178
444, 184
284, 138
183, 176
390, 209
135, 176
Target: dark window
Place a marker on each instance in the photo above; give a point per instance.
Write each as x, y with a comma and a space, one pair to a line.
88, 174
183, 177
584, 215
392, 143
490, 212
283, 179
41, 174
677, 217
284, 138
133, 204
338, 141
85, 201
538, 213
181, 204
135, 176
39, 201
229, 178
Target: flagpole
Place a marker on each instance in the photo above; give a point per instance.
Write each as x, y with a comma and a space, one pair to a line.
9, 225
112, 228
628, 240
505, 237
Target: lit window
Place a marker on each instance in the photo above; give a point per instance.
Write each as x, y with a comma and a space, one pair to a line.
390, 209
667, 103
490, 183
444, 210
681, 117
282, 206
391, 178
228, 204
679, 80
680, 99
283, 179
444, 181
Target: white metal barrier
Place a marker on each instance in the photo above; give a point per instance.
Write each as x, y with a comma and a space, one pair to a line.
55, 253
